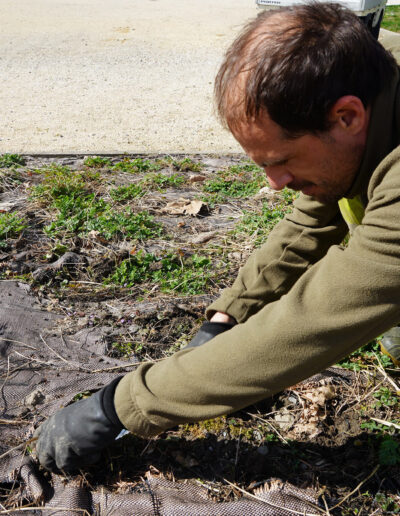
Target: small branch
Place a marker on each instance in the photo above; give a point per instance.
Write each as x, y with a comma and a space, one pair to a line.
41, 508
53, 350
387, 377
237, 449
18, 342
31, 359
33, 439
386, 423
246, 493
270, 425
14, 422
114, 368
356, 489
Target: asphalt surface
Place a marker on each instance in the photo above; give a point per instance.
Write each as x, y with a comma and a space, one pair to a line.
95, 76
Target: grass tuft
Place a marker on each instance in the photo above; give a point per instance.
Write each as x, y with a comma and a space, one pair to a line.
258, 224
79, 215
59, 181
125, 193
187, 165
391, 18
241, 180
97, 162
135, 166
161, 181
11, 160
172, 273
10, 226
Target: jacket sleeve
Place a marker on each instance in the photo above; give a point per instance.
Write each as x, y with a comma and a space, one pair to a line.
297, 242
343, 301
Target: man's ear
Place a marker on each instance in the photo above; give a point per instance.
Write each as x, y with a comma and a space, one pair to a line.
348, 114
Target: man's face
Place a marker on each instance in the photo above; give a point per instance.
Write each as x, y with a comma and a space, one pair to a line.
322, 166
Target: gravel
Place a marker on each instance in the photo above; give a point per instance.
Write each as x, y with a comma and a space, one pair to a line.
94, 76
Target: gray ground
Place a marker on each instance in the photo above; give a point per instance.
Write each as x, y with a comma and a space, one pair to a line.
123, 76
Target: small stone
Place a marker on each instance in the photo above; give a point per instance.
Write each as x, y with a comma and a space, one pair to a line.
35, 398
263, 450
202, 238
68, 259
284, 420
196, 178
42, 274
257, 435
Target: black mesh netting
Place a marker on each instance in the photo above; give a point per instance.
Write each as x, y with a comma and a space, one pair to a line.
41, 370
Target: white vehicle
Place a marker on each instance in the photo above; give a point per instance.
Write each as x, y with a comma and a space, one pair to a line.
370, 11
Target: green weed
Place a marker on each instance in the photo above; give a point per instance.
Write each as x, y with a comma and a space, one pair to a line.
385, 398
73, 211
365, 356
59, 181
389, 452
186, 165
387, 504
9, 179
136, 165
237, 181
124, 348
172, 272
56, 251
82, 395
259, 224
161, 181
11, 160
79, 215
125, 193
391, 18
125, 224
10, 226
97, 162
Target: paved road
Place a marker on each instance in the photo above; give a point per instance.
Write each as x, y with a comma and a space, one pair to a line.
113, 76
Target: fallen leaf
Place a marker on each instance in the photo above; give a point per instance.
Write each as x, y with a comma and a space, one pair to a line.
185, 461
266, 193
184, 207
321, 395
196, 178
201, 238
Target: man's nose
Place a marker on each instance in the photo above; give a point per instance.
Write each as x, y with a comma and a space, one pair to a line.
278, 179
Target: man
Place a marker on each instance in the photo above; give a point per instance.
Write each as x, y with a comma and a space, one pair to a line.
313, 99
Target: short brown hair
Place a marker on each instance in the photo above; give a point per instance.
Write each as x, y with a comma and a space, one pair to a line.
296, 62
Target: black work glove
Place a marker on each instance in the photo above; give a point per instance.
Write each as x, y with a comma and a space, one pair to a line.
208, 331
76, 434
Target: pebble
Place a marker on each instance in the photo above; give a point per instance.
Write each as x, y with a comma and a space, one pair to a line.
263, 450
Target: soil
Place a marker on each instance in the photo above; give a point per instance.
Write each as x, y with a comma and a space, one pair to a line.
316, 434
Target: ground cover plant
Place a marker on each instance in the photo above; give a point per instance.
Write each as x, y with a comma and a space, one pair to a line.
391, 18
98, 243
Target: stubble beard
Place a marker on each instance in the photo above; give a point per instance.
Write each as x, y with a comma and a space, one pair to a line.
343, 173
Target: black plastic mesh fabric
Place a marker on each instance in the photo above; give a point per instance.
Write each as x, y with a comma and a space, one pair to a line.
40, 371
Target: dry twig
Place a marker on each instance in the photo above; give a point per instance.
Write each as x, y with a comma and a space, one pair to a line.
246, 493
270, 425
386, 423
356, 489
33, 439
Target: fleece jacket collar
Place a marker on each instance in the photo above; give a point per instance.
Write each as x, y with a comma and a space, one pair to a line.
383, 134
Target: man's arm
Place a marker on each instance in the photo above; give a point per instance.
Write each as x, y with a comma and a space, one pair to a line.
297, 242
300, 240
343, 301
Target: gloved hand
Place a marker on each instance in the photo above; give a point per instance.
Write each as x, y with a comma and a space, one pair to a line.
208, 331
76, 434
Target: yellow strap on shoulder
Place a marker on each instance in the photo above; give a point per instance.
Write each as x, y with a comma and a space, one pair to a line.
352, 210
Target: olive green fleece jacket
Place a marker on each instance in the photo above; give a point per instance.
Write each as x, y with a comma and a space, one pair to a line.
302, 301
